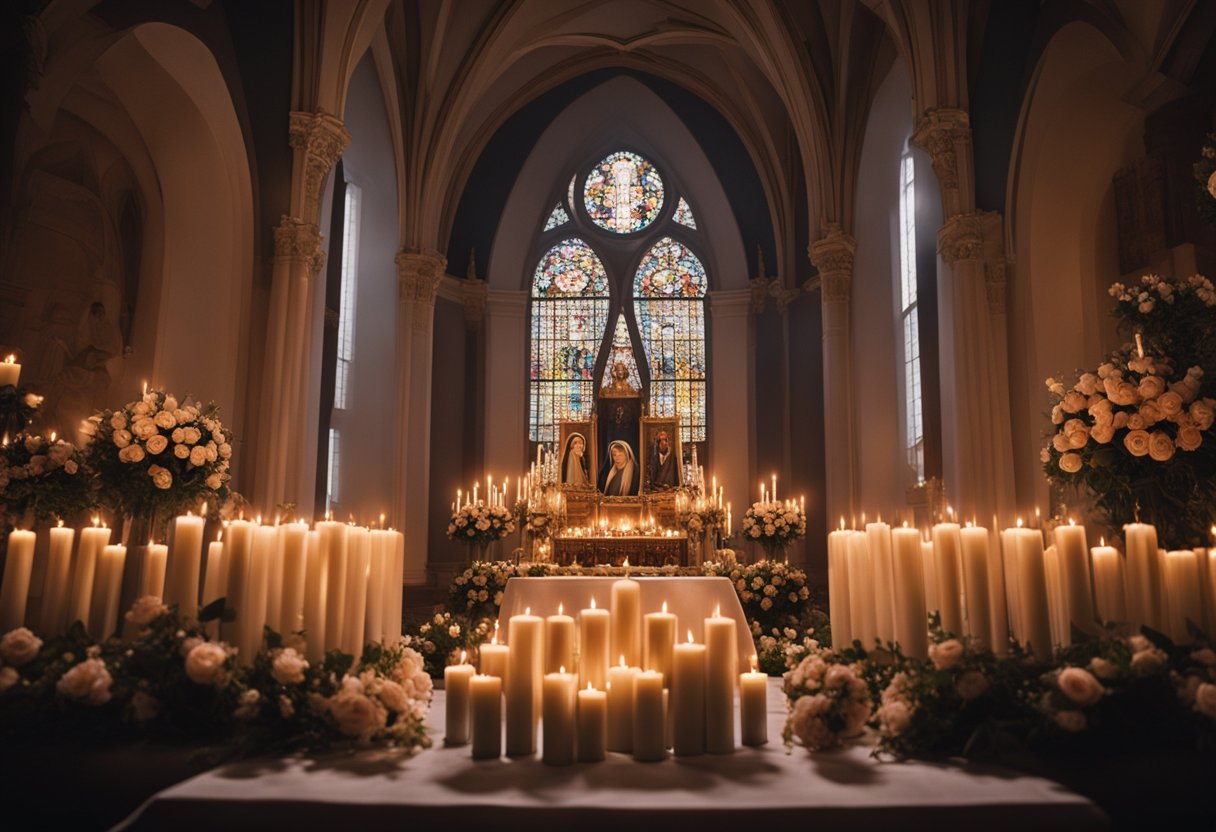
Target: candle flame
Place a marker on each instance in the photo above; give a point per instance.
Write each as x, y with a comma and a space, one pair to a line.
754, 662
60, 524
690, 637
626, 563
96, 521
905, 524
623, 661
145, 387
495, 639
11, 359
842, 522
527, 610
1072, 522
258, 520
561, 668
1102, 541
664, 603
592, 603
950, 512
589, 686
53, 435
463, 656
717, 610
560, 608
1020, 522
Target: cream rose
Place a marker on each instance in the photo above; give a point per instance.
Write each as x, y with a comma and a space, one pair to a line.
146, 610
192, 435
122, 438
204, 663
1137, 442
1070, 463
1060, 443
88, 682
213, 482
1170, 403
165, 420
198, 456
288, 667
131, 454
1073, 402
1087, 383
157, 443
355, 713
1120, 420
161, 477
1148, 661
1151, 387
1102, 434
1205, 700
1136, 422
181, 451
118, 421
1189, 438
143, 427
8, 677
1160, 446
947, 654
1071, 721
1080, 686
19, 646
1103, 668
894, 717
1203, 412
971, 685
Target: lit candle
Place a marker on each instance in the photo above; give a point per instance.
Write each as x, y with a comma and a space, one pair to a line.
213, 588
1143, 574
485, 705
659, 637
559, 642
929, 562
373, 629
333, 543
688, 698
106, 592
947, 543
753, 705
456, 679
1055, 596
92, 540
592, 725
56, 587
525, 634
274, 583
911, 631
998, 599
358, 563
1182, 592
978, 613
721, 659
1075, 580
649, 736
15, 591
10, 372
838, 586
184, 566
156, 558
1031, 571
861, 591
315, 572
620, 706
393, 587
1108, 583
878, 539
494, 656
558, 716
238, 550
294, 538
626, 621
594, 627
251, 614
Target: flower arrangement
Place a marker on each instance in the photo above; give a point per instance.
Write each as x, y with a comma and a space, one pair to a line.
159, 456
1136, 434
43, 476
18, 407
169, 680
774, 525
477, 591
438, 639
1205, 178
537, 522
782, 649
773, 594
481, 524
829, 702
698, 522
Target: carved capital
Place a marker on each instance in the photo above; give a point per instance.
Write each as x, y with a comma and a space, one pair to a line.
961, 238
418, 276
784, 296
760, 292
833, 257
321, 138
296, 239
943, 133
473, 293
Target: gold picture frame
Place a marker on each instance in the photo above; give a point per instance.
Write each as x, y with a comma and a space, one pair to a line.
669, 474
585, 428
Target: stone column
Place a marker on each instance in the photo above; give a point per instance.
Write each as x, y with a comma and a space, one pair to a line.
732, 392
286, 457
506, 373
418, 276
833, 256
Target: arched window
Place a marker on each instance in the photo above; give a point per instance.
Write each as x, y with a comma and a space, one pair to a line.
621, 206
669, 296
569, 314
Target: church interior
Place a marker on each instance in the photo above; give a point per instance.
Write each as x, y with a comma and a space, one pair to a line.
603, 276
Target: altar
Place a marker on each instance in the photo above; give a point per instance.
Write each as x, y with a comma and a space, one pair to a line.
616, 550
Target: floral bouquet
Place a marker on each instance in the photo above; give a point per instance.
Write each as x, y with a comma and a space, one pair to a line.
478, 590
698, 522
1137, 433
1205, 178
774, 525
773, 594
43, 476
159, 456
481, 524
829, 702
538, 523
439, 638
784, 648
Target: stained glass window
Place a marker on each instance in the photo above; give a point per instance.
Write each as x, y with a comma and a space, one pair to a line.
624, 193
622, 352
557, 217
684, 215
669, 297
569, 316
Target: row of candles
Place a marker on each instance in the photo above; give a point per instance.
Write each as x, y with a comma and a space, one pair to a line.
661, 694
1023, 583
338, 582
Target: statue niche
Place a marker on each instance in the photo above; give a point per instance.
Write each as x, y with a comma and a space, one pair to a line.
619, 414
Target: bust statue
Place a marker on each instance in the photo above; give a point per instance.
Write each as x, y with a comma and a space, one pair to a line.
620, 386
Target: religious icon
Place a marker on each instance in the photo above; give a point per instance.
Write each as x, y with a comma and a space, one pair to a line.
662, 456
620, 475
574, 470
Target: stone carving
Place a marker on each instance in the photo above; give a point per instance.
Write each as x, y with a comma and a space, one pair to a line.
942, 133
961, 238
760, 293
418, 277
833, 256
473, 293
299, 240
995, 284
321, 138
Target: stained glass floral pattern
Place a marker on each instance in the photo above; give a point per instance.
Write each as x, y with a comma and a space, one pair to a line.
669, 299
622, 351
557, 218
684, 215
624, 193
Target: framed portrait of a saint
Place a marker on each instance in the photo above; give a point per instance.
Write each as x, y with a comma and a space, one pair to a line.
576, 455
662, 458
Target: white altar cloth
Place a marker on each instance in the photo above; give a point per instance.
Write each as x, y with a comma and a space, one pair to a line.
691, 599
443, 788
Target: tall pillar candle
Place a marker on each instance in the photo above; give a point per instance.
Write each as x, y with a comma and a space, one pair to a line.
107, 591
1031, 574
1108, 584
620, 707
861, 592
274, 582
238, 551
592, 725
156, 559
911, 626
838, 587
358, 563
185, 562
977, 615
456, 680
878, 542
1143, 573
753, 694
998, 599
485, 707
1055, 597
316, 577
721, 672
658, 639
294, 538
593, 637
525, 636
333, 542
627, 621
1183, 597
688, 699
251, 616
1073, 552
649, 734
56, 588
558, 717
947, 546
84, 572
394, 587
493, 658
15, 591
559, 642
929, 562
213, 588
373, 621
1009, 553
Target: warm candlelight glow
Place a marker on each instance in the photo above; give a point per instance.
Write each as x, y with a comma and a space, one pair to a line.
1139, 346
664, 603
561, 668
463, 656
592, 604
754, 662
494, 640
1072, 522
145, 387
53, 435
61, 526
1020, 523
623, 661
690, 637
1101, 541
560, 608
717, 610
11, 359
527, 610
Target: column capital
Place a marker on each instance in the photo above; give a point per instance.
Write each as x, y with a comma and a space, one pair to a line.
473, 293
759, 287
784, 296
418, 275
961, 238
833, 256
295, 239
943, 133
320, 138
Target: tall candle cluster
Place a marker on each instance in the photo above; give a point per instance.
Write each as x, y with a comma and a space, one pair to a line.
613, 680
1034, 585
339, 582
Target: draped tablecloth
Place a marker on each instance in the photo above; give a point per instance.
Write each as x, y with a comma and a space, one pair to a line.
443, 788
691, 599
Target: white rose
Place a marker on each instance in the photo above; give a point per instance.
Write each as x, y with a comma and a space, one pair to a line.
213, 482
1189, 438
393, 696
1070, 463
1205, 700
1103, 668
1071, 721
170, 403
1102, 434
1203, 412
356, 714
204, 663
161, 477
1151, 387
192, 436
178, 435
225, 450
146, 610
131, 454
118, 421
19, 646
1080, 686
88, 682
143, 428
1170, 403
165, 420
947, 654
157, 443
1148, 661
288, 667
198, 455
894, 717
122, 438
1160, 446
1136, 442
181, 451
8, 677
